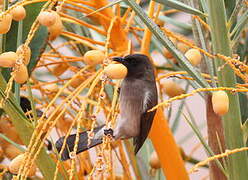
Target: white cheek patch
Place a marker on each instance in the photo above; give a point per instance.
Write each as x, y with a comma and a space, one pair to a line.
147, 100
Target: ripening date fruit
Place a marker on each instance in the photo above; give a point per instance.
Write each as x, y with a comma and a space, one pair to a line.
56, 29
116, 71
18, 13
25, 52
194, 56
5, 23
77, 81
47, 18
21, 74
8, 59
220, 102
172, 89
94, 57
154, 161
15, 164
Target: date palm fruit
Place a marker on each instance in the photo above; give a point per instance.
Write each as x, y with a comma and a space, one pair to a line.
21, 74
18, 13
15, 164
94, 57
5, 23
172, 89
220, 102
194, 56
25, 52
56, 29
47, 18
8, 59
116, 71
77, 81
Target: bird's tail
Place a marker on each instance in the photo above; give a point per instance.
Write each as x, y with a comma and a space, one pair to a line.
82, 143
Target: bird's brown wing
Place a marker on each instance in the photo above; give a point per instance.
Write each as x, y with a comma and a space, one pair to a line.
146, 119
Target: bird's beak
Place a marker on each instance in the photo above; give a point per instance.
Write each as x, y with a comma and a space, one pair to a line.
119, 59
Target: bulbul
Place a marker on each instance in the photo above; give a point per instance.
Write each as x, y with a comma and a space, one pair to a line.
138, 94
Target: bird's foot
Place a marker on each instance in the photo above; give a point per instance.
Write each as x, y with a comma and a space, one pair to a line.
109, 132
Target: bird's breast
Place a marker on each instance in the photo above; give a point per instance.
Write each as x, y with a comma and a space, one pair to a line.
131, 107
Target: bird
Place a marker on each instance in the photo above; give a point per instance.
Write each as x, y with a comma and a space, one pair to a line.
26, 106
138, 94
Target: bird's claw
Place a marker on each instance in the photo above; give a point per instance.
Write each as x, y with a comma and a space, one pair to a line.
109, 132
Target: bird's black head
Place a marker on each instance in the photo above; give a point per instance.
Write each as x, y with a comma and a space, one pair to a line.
138, 65
25, 104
